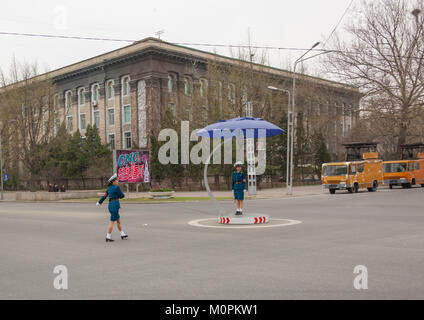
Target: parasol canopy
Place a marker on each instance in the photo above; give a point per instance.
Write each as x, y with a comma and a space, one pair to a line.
246, 126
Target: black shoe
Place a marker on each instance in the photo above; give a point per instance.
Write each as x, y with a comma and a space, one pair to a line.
109, 240
124, 237
238, 213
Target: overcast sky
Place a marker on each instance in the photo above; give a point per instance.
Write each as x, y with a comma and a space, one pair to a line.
283, 23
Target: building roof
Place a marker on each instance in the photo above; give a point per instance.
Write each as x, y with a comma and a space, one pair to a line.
154, 43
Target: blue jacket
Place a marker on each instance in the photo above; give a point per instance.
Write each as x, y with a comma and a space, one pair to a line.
113, 192
239, 177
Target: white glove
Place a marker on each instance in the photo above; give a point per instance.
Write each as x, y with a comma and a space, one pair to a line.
98, 204
244, 190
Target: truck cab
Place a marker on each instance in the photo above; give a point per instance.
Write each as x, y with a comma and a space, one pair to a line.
335, 176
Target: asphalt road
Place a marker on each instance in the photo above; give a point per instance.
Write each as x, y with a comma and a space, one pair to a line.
165, 258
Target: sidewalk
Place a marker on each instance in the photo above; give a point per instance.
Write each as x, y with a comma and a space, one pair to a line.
75, 196
261, 194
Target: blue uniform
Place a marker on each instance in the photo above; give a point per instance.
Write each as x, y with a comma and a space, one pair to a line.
114, 193
239, 185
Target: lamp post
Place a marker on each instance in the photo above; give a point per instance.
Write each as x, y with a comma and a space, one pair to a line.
288, 185
291, 116
416, 13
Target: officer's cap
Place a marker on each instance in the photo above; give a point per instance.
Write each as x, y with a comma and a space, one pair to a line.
113, 178
238, 164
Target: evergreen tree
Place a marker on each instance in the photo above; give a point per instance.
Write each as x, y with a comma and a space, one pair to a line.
320, 152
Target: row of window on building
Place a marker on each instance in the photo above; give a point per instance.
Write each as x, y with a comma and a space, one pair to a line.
203, 87
95, 93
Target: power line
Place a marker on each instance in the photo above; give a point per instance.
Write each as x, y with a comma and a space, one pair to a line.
338, 23
183, 43
132, 41
61, 37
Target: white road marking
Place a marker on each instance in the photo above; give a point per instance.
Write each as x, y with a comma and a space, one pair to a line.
197, 223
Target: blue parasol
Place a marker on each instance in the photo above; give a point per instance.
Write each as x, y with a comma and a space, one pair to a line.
248, 127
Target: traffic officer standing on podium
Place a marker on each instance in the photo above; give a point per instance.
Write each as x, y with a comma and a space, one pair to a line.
114, 193
239, 187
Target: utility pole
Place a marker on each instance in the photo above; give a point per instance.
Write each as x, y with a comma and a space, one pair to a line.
250, 155
250, 142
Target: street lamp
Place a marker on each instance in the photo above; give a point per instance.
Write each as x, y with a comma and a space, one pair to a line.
416, 13
290, 126
288, 177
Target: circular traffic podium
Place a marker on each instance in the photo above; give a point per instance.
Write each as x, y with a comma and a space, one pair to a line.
249, 218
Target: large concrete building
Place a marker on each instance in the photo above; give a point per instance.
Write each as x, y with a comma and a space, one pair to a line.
126, 93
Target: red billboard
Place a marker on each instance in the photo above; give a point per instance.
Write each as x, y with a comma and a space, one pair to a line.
132, 166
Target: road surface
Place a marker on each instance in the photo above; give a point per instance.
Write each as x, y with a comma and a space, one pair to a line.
166, 258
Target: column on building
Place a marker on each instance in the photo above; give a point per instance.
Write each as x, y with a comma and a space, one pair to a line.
125, 112
111, 123
142, 113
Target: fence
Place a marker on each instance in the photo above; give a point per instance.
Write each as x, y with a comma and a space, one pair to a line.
216, 182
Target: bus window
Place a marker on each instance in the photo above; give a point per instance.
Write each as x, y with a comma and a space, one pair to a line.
360, 167
352, 169
411, 166
334, 170
417, 166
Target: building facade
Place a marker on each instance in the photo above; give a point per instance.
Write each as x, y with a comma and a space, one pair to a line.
127, 93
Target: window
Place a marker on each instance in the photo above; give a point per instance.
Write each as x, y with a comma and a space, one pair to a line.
45, 127
172, 109
56, 102
81, 97
127, 114
69, 124
203, 87
111, 116
97, 119
187, 86
352, 170
232, 92
360, 167
219, 91
111, 141
126, 86
334, 170
110, 92
188, 113
170, 83
394, 167
417, 166
127, 140
56, 126
95, 93
68, 99
82, 121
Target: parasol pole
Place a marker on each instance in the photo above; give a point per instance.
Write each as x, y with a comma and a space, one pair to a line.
208, 189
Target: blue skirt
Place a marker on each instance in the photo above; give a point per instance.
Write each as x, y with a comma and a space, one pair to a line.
114, 207
239, 194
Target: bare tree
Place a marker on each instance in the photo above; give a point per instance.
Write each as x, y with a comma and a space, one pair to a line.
385, 59
27, 113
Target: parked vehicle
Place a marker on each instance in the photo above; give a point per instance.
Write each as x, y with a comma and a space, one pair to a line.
399, 173
409, 170
419, 169
353, 175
